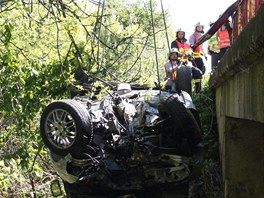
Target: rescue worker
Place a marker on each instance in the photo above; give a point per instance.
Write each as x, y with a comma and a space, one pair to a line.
198, 51
223, 39
170, 68
213, 49
181, 43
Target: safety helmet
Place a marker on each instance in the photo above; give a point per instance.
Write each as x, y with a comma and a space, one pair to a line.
174, 50
198, 24
180, 30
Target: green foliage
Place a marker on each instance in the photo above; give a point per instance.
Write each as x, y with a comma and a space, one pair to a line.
211, 175
46, 49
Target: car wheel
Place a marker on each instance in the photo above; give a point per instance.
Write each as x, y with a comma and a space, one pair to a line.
184, 80
197, 117
183, 118
65, 126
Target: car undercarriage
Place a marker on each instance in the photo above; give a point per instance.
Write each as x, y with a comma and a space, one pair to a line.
141, 142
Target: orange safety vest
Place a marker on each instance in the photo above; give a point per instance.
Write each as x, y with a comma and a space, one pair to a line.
197, 50
183, 48
223, 39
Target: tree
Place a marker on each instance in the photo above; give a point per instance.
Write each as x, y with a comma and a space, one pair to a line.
46, 47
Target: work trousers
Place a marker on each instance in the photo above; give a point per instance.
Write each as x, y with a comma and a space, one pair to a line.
198, 62
214, 60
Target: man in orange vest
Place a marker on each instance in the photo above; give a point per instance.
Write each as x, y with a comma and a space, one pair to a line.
197, 54
223, 39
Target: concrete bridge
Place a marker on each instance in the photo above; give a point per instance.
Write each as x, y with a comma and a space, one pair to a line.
238, 82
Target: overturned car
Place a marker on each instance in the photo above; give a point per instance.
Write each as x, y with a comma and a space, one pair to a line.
141, 142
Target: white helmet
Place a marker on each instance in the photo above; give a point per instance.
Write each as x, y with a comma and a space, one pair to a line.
174, 50
198, 24
180, 30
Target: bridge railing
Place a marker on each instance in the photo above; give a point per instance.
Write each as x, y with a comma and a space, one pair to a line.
246, 11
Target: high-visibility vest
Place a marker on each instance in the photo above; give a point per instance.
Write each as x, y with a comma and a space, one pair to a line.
223, 38
183, 48
213, 44
197, 50
169, 74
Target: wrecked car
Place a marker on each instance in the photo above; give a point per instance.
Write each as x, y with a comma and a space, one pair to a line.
132, 141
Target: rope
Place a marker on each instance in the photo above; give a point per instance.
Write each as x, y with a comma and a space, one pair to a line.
154, 37
165, 24
99, 32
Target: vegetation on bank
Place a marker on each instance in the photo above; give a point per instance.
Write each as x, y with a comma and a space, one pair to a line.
211, 175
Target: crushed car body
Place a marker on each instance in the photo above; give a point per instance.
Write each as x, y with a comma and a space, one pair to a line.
128, 142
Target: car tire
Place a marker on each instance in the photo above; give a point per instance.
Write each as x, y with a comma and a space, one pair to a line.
65, 127
183, 118
184, 80
197, 117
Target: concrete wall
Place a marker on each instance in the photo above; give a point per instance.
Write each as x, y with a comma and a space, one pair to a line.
244, 162
238, 82
239, 112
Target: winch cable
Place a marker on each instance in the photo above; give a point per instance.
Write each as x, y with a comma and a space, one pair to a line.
154, 37
165, 25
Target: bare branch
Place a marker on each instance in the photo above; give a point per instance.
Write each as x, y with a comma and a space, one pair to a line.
138, 57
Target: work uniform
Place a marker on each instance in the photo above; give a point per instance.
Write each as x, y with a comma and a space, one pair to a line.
183, 46
213, 50
170, 68
197, 52
198, 62
223, 41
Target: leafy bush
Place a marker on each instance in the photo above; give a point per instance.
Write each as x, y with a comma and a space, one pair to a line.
211, 176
